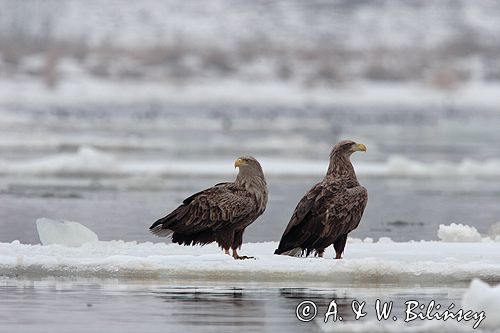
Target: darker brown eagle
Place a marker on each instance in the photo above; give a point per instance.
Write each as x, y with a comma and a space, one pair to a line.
221, 213
330, 210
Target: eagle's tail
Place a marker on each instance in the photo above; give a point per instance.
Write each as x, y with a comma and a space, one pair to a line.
159, 230
164, 226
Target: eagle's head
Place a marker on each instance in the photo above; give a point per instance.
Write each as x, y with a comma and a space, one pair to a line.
249, 166
347, 147
340, 164
245, 162
251, 177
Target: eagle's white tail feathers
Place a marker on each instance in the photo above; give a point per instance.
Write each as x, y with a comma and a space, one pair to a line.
160, 232
293, 252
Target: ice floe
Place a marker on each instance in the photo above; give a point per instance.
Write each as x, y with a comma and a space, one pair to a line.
64, 233
384, 261
89, 161
482, 297
458, 233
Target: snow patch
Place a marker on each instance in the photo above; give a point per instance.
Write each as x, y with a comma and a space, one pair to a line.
87, 160
64, 233
458, 233
400, 165
385, 240
482, 297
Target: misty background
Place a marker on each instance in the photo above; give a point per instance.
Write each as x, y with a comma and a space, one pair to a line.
440, 44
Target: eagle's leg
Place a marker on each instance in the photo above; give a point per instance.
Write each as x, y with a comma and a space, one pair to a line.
237, 241
339, 246
225, 240
320, 253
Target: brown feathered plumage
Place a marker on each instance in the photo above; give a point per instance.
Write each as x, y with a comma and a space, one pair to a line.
330, 210
220, 213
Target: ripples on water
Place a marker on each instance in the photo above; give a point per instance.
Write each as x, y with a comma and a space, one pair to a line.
115, 306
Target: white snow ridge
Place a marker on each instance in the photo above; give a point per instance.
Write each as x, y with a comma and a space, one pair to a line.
458, 233
365, 262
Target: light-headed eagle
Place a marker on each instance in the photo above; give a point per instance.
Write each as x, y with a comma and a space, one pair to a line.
221, 213
330, 210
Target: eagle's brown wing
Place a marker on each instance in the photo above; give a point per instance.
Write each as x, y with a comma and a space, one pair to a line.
301, 215
342, 212
212, 209
326, 212
304, 207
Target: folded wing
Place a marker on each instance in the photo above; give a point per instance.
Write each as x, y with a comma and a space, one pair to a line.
208, 210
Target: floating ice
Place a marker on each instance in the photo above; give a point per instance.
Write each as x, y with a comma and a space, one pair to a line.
412, 262
89, 161
494, 230
64, 233
458, 233
385, 240
481, 297
364, 261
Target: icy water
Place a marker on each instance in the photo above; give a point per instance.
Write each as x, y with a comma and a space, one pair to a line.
399, 208
118, 169
118, 306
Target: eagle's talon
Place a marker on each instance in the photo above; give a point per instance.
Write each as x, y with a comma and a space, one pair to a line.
243, 257
236, 256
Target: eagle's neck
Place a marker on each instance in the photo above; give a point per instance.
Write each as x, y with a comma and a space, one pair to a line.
255, 184
341, 167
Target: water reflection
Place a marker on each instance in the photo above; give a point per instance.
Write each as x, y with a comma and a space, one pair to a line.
110, 305
214, 307
321, 298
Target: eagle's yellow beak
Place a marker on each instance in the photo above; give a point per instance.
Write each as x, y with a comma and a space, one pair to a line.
359, 147
239, 162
